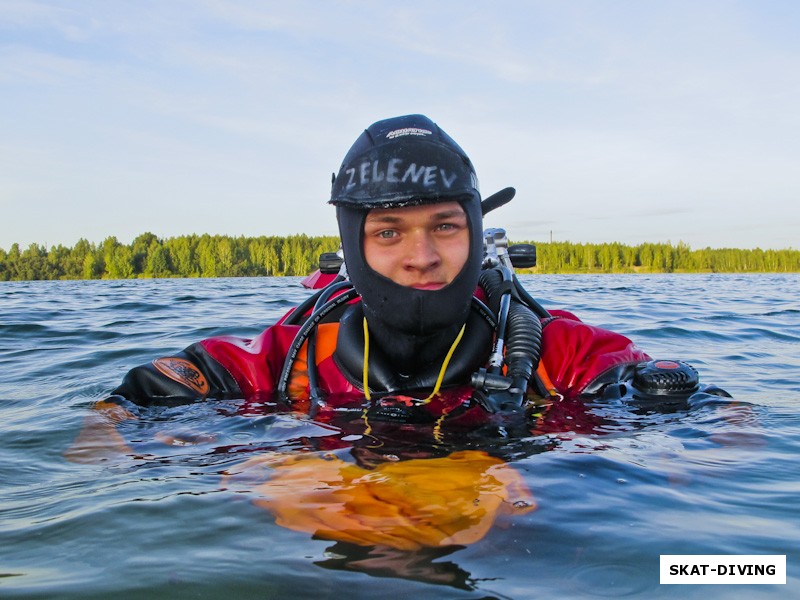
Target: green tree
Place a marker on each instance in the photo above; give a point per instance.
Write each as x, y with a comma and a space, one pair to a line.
206, 256
92, 266
57, 258
224, 257
120, 264
32, 263
157, 263
182, 256
139, 249
4, 274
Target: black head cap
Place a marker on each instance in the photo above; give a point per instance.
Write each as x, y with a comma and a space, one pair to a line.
399, 162
403, 161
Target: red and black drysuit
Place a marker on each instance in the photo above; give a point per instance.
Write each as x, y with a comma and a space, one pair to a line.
576, 359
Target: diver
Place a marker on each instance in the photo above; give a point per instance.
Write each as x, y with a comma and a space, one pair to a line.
422, 323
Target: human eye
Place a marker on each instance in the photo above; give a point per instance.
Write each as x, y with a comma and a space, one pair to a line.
386, 234
449, 227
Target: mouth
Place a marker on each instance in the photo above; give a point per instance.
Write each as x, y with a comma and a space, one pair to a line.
428, 286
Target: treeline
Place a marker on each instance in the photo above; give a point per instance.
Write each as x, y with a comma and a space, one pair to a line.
566, 257
222, 256
186, 256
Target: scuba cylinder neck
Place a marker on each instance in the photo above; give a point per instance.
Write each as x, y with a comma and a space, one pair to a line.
496, 256
495, 244
518, 335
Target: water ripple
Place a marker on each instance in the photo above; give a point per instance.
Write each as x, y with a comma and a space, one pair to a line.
718, 477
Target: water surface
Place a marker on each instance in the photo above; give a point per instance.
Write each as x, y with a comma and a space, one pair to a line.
721, 477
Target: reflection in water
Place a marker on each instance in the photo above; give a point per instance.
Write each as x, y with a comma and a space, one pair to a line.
405, 505
394, 497
381, 561
689, 475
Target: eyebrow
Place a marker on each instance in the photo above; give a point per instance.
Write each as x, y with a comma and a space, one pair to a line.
439, 216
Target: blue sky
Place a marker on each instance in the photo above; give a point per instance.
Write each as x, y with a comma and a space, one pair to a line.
618, 120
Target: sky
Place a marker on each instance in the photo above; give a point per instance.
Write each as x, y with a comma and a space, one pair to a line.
615, 120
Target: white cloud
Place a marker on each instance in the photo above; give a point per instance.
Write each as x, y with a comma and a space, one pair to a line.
624, 113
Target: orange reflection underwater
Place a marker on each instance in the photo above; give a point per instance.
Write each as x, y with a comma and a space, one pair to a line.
405, 505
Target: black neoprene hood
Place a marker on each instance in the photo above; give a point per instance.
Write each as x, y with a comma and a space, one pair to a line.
403, 161
398, 162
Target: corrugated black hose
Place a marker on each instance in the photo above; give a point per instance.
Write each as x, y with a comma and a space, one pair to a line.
523, 343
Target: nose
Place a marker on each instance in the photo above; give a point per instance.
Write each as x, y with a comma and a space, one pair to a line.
422, 254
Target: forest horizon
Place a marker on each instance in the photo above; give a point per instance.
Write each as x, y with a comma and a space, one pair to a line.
149, 256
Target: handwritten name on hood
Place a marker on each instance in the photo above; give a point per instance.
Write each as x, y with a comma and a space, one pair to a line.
395, 170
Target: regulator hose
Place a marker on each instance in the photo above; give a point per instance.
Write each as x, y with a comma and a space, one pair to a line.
524, 342
314, 393
530, 300
302, 308
324, 305
303, 333
504, 291
523, 337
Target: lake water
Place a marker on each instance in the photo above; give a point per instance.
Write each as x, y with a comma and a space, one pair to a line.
720, 477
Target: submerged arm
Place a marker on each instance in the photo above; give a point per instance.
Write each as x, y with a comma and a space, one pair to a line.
99, 439
184, 377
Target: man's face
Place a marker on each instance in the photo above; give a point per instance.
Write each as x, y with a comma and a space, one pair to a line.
423, 247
